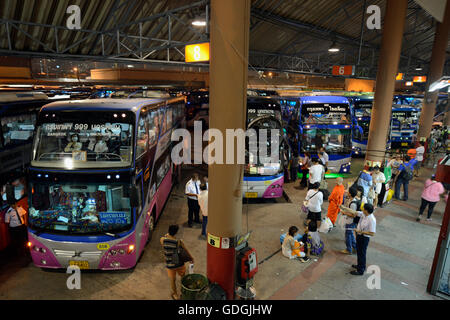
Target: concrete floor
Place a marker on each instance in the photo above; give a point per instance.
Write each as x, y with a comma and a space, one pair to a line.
402, 248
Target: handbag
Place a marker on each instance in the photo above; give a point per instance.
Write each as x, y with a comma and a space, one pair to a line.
183, 255
306, 202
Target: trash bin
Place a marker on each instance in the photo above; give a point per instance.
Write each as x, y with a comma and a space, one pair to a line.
192, 285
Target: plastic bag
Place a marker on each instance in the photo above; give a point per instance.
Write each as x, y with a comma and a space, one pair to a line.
341, 221
191, 268
326, 225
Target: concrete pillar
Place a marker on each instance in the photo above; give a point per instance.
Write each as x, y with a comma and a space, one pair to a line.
230, 22
394, 22
436, 67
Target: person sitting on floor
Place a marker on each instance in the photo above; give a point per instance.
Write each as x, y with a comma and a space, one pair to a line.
311, 238
291, 248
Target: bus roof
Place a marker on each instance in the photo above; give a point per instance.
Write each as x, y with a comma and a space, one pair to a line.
19, 96
101, 104
323, 99
397, 107
263, 101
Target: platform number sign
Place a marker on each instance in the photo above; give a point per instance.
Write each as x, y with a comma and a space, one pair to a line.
213, 240
198, 52
343, 70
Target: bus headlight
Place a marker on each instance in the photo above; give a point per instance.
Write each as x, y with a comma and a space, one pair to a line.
130, 248
121, 251
44, 262
113, 252
115, 264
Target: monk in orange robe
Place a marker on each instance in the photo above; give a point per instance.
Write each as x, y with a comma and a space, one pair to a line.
335, 200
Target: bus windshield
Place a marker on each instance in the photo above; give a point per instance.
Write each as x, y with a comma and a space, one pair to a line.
333, 140
325, 113
269, 164
405, 117
84, 143
80, 208
17, 129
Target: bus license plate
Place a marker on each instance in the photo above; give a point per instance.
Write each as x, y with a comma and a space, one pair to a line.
80, 264
251, 194
404, 144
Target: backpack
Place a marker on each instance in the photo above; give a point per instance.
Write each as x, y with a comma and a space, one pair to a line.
358, 207
407, 173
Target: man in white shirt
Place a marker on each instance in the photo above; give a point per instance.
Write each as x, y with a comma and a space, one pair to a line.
419, 157
315, 172
15, 219
364, 231
323, 156
203, 203
192, 191
314, 197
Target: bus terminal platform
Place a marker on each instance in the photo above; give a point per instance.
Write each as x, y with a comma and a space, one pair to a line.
403, 249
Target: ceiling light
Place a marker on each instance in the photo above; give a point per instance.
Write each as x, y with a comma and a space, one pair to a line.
199, 23
333, 48
419, 67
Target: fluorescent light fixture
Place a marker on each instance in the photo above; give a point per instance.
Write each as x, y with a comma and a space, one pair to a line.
333, 48
199, 23
419, 67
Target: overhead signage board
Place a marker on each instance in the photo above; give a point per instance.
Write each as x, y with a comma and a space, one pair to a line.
343, 70
198, 52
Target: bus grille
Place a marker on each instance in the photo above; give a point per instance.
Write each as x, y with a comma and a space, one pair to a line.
73, 253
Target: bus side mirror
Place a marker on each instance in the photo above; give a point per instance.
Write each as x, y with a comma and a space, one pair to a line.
134, 196
10, 194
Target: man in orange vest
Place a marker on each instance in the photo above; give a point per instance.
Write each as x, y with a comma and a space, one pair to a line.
412, 152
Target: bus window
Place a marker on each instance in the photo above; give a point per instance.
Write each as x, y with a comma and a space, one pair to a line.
163, 168
162, 121
18, 129
76, 144
169, 118
142, 136
153, 127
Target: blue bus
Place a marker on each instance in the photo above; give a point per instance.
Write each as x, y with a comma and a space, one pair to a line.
404, 121
326, 121
18, 112
362, 110
100, 174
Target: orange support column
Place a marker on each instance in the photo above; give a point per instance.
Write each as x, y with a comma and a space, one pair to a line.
438, 56
229, 28
391, 45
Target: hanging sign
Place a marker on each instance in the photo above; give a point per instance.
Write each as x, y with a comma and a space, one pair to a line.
197, 52
343, 70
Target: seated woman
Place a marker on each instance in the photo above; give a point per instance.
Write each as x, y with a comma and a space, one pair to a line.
292, 248
74, 144
311, 238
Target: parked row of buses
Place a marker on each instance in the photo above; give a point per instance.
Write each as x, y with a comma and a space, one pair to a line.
100, 170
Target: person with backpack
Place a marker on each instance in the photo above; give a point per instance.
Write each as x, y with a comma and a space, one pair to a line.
365, 181
404, 176
314, 199
174, 262
354, 203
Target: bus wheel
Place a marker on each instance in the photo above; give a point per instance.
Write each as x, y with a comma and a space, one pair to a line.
151, 227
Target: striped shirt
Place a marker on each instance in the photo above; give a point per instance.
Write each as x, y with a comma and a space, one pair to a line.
170, 247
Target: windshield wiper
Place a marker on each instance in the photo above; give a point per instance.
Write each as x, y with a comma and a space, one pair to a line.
111, 234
